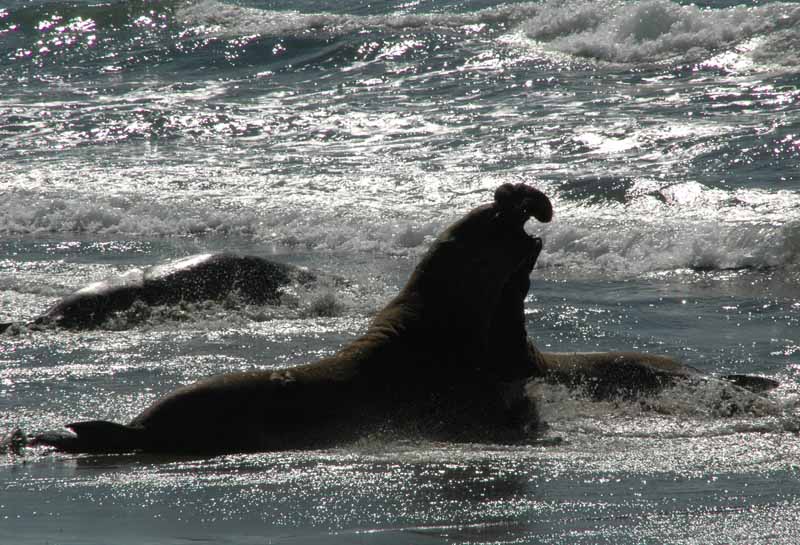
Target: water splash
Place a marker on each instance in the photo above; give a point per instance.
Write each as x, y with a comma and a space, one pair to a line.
656, 30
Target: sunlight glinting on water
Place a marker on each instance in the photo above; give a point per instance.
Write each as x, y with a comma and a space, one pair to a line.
665, 134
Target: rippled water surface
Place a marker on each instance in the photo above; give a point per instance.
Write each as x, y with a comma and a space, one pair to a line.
343, 137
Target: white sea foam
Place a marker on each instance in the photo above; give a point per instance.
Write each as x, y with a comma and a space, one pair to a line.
112, 215
678, 226
713, 406
236, 312
675, 226
655, 228
227, 20
655, 30
608, 30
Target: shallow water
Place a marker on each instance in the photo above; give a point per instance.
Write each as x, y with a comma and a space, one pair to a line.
343, 138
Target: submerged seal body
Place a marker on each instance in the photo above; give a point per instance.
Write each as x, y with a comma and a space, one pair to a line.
195, 278
446, 359
633, 375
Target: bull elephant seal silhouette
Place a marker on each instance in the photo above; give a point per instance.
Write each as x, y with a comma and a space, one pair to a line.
445, 359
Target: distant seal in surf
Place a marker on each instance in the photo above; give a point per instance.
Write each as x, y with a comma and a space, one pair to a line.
445, 359
195, 278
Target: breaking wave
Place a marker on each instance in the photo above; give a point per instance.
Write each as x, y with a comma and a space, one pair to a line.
609, 30
657, 30
681, 226
229, 20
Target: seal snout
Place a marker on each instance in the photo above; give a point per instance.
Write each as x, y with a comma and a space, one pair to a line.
524, 202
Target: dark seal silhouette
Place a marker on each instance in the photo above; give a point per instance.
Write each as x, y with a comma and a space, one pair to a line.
192, 279
447, 358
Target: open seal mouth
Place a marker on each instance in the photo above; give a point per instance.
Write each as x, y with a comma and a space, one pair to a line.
517, 203
520, 202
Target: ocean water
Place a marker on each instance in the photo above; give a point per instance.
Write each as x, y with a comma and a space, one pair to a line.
343, 136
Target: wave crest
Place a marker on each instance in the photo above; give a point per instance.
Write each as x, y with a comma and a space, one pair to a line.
654, 30
685, 226
680, 226
226, 20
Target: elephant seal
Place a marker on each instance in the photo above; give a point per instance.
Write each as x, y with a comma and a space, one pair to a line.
195, 278
445, 359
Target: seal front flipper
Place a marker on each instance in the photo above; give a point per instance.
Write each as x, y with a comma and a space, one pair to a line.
94, 436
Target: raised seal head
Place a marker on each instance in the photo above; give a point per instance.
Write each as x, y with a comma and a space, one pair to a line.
523, 201
491, 240
482, 258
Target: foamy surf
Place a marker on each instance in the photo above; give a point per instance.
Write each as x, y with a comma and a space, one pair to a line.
657, 228
343, 137
660, 30
702, 409
669, 238
735, 37
228, 20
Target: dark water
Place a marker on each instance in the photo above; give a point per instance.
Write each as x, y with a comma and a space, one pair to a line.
342, 137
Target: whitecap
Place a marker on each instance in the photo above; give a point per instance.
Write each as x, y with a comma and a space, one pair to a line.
210, 17
661, 30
